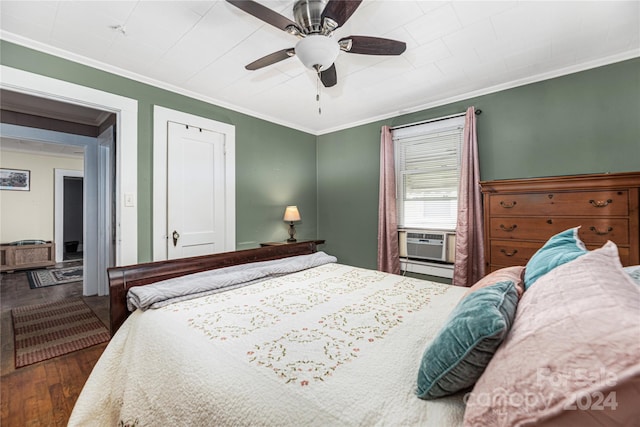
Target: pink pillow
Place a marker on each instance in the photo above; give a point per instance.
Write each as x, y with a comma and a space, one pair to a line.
507, 274
572, 354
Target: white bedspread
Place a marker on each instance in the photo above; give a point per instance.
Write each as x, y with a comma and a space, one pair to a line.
329, 346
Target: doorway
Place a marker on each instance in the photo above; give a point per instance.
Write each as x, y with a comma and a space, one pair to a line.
73, 218
125, 155
94, 270
69, 214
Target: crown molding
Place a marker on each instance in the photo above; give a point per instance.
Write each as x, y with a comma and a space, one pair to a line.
576, 68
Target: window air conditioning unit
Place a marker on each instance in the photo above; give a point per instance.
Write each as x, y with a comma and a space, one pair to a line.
427, 245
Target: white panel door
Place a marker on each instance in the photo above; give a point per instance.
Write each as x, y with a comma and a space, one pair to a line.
195, 191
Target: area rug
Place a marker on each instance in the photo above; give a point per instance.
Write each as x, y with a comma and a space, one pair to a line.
44, 331
54, 276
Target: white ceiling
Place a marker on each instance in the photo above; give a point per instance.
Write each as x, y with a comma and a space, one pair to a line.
455, 50
41, 148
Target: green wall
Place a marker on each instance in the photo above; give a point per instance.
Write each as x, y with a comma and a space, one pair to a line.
586, 122
275, 165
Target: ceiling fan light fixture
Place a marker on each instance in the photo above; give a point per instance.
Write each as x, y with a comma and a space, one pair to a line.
316, 50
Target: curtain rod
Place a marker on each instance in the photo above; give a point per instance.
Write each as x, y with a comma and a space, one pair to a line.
477, 112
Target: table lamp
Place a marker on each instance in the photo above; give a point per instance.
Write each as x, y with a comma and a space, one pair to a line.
291, 214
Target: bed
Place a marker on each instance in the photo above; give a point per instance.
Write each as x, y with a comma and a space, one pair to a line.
289, 336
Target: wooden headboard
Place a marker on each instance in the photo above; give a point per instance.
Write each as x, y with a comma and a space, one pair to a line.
123, 278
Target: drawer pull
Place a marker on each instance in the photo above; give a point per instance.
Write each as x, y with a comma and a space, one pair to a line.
601, 233
513, 227
515, 251
507, 205
600, 203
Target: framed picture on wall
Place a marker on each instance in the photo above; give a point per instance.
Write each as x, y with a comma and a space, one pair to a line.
15, 179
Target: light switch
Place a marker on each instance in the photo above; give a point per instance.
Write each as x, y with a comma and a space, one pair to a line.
129, 200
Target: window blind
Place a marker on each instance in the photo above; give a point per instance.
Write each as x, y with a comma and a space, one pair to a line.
427, 173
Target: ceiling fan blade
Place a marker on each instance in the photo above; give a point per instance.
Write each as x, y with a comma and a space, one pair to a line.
264, 14
340, 10
372, 45
329, 77
272, 58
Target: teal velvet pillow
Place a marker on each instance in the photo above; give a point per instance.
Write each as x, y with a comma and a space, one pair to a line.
559, 249
466, 343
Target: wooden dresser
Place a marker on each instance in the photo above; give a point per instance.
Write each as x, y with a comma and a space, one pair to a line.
521, 214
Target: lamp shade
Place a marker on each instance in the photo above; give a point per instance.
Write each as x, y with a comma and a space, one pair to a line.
317, 50
291, 213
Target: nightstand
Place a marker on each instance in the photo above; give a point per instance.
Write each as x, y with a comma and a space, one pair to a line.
317, 242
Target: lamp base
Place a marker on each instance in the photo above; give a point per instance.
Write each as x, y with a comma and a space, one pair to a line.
292, 232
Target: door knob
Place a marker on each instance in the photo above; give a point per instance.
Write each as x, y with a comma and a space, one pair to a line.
176, 236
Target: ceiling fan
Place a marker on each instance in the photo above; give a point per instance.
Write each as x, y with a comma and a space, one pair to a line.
316, 20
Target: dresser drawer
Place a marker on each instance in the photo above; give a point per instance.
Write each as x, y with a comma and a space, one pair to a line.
506, 253
589, 203
592, 230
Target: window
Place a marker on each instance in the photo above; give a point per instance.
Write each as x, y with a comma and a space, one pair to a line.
427, 173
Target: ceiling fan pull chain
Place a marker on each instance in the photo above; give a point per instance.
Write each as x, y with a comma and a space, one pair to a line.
318, 92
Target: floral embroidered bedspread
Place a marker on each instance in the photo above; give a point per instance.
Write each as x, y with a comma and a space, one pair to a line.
332, 345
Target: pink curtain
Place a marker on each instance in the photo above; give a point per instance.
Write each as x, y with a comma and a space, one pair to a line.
469, 263
388, 250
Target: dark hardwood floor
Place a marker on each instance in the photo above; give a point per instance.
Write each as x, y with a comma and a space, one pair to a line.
42, 394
